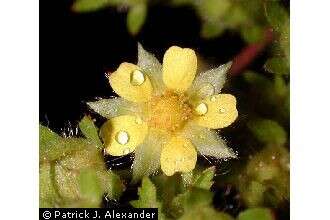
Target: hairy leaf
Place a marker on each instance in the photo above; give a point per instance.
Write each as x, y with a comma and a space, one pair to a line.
88, 128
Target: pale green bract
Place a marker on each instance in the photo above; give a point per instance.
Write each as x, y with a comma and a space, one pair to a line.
208, 142
114, 107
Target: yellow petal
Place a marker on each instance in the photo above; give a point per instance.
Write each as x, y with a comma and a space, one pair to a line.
179, 68
122, 134
218, 111
178, 155
130, 83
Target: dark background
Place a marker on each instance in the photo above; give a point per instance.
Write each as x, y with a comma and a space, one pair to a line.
76, 50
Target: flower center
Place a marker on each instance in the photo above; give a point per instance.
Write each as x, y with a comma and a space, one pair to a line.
169, 111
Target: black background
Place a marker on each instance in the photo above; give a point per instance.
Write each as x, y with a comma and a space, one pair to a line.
77, 49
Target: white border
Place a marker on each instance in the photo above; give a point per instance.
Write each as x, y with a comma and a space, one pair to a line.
310, 109
310, 149
19, 69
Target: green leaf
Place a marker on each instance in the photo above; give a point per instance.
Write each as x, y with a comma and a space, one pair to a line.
195, 203
211, 29
92, 5
47, 195
88, 128
197, 197
252, 34
205, 179
136, 17
277, 65
53, 147
112, 184
206, 213
268, 131
280, 87
253, 193
276, 14
256, 214
89, 186
114, 107
213, 9
148, 197
47, 138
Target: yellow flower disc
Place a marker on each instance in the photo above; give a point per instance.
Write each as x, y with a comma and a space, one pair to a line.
129, 82
179, 68
178, 155
219, 111
122, 134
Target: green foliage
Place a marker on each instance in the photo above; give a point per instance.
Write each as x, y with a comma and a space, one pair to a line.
268, 131
88, 128
89, 185
136, 17
265, 180
54, 147
92, 5
72, 171
148, 197
205, 179
275, 14
256, 213
277, 65
278, 19
245, 17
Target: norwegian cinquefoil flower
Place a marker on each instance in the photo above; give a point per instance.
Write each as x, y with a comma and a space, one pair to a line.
166, 113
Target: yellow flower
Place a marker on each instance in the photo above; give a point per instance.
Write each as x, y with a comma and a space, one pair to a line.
166, 113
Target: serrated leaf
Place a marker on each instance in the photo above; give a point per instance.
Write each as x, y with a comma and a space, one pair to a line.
148, 197
192, 199
114, 107
205, 179
268, 131
53, 147
256, 213
277, 65
47, 138
136, 17
92, 5
88, 128
89, 186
